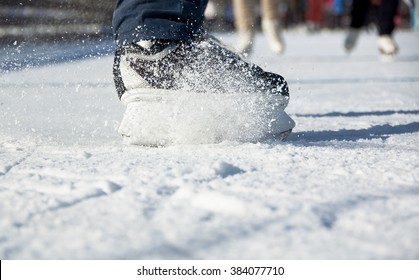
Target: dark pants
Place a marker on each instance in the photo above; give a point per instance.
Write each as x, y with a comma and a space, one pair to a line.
385, 15
135, 20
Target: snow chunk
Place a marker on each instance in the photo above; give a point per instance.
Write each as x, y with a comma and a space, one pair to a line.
217, 203
224, 169
110, 187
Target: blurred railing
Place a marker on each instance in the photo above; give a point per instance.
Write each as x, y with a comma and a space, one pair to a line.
32, 19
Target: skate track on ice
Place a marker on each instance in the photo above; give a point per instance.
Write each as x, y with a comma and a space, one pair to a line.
345, 185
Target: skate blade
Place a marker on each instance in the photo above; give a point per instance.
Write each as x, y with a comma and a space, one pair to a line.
282, 135
387, 58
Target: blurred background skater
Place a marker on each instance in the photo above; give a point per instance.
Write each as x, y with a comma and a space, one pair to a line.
245, 24
386, 12
219, 15
314, 14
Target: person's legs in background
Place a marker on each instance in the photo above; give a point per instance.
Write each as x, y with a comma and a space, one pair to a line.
387, 10
271, 25
244, 21
314, 14
359, 13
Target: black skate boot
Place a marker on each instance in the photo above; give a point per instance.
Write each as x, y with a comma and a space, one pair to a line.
154, 74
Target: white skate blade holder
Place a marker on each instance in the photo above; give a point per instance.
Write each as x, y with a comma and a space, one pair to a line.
160, 117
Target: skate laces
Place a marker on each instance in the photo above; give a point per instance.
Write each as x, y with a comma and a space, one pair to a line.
149, 47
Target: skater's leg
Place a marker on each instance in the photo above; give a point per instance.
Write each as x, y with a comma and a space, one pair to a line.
359, 13
135, 20
387, 10
271, 25
244, 22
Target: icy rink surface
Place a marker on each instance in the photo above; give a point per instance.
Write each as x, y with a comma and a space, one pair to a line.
344, 185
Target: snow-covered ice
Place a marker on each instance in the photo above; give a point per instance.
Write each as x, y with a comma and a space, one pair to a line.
344, 185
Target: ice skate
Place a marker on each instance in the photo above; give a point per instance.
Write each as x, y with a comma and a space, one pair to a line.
351, 39
386, 45
167, 84
245, 42
272, 32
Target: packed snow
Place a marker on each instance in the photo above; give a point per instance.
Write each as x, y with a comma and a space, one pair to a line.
343, 185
